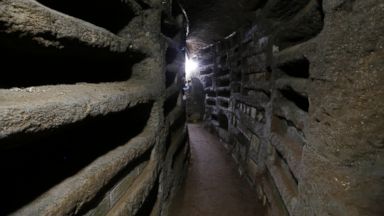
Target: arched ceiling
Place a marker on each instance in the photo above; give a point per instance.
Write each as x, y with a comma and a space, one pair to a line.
211, 20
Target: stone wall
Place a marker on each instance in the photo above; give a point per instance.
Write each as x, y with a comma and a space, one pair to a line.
298, 96
91, 116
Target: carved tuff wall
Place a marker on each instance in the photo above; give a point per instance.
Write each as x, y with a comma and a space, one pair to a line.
298, 96
91, 119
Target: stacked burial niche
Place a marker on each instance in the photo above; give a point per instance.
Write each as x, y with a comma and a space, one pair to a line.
91, 120
285, 93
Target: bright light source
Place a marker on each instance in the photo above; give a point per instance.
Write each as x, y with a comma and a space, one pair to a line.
190, 66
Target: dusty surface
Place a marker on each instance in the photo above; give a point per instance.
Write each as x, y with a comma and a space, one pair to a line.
213, 186
343, 160
62, 124
313, 72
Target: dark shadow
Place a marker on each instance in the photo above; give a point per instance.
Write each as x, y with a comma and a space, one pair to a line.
296, 67
176, 8
300, 100
168, 26
223, 103
211, 102
236, 87
223, 82
33, 163
208, 82
112, 15
170, 55
210, 93
307, 26
178, 151
222, 72
196, 103
114, 181
169, 78
223, 121
170, 103
214, 117
143, 4
32, 64
257, 4
150, 201
224, 93
283, 9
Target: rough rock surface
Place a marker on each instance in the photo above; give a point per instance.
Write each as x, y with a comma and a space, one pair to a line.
87, 113
298, 94
343, 160
212, 20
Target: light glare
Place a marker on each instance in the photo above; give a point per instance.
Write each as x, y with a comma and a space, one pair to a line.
190, 66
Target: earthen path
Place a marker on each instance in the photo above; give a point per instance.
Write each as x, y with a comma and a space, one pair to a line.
213, 185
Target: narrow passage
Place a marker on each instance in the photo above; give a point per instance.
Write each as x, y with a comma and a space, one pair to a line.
213, 185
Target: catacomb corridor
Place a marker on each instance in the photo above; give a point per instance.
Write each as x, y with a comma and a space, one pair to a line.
189, 108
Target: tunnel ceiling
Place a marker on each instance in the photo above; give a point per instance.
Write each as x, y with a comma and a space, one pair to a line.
211, 20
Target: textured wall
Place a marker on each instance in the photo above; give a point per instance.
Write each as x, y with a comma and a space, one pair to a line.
91, 116
211, 20
298, 96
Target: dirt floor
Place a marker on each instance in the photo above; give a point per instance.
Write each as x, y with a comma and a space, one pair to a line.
213, 185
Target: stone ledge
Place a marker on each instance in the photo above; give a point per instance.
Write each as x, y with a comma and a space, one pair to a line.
290, 149
175, 114
284, 183
73, 193
177, 138
31, 19
172, 90
289, 111
133, 198
297, 84
40, 108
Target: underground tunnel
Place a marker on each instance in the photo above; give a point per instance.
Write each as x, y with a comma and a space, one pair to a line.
170, 108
